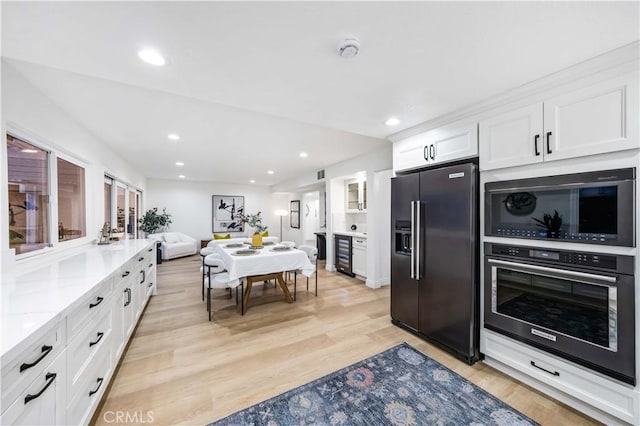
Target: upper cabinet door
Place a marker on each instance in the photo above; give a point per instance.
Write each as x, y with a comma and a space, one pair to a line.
453, 142
511, 139
596, 119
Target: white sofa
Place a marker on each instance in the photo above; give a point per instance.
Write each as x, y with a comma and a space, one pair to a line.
175, 244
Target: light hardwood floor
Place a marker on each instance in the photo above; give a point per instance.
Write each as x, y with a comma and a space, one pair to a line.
187, 370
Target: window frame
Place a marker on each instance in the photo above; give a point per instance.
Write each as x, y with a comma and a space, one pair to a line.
53, 153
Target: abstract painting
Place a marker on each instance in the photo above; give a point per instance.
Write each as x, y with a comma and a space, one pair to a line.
227, 210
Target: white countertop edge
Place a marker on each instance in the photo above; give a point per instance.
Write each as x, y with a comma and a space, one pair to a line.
9, 352
351, 234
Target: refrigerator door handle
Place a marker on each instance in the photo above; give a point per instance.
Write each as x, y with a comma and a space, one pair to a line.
413, 236
418, 227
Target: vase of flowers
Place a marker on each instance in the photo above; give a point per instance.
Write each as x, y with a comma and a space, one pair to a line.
255, 221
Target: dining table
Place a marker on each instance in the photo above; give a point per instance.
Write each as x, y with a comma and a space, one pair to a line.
262, 264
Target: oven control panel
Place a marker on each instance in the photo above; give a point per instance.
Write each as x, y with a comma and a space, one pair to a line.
560, 257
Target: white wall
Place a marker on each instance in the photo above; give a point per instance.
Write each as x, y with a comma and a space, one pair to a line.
380, 238
30, 114
190, 204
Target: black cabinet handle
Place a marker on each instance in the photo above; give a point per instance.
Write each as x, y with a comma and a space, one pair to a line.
548, 143
100, 336
426, 152
150, 284
98, 301
140, 259
50, 377
45, 351
555, 373
535, 144
100, 380
151, 264
144, 276
126, 274
150, 250
432, 151
126, 291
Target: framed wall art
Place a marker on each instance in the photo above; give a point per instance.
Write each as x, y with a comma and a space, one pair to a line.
226, 213
295, 214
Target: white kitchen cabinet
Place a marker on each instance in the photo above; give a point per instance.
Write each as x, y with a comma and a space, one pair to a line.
359, 256
596, 119
356, 193
42, 402
452, 142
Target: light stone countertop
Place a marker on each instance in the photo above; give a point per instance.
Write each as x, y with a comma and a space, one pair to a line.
33, 300
352, 234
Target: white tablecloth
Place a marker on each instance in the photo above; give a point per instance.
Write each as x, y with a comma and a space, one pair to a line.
266, 261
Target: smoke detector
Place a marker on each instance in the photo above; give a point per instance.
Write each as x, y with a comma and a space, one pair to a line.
348, 48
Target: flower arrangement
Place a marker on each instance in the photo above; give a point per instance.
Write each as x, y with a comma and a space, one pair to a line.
153, 221
254, 221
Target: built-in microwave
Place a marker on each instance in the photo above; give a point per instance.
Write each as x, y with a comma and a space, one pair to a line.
592, 207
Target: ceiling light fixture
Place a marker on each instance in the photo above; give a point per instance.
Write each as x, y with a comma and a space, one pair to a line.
392, 121
303, 155
181, 176
152, 57
29, 151
173, 137
270, 172
179, 163
252, 181
348, 47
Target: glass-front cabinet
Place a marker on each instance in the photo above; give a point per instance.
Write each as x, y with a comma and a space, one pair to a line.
356, 191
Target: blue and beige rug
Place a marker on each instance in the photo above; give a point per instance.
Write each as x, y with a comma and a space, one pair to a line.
399, 386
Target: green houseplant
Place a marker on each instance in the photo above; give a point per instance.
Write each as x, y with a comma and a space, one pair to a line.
152, 221
255, 221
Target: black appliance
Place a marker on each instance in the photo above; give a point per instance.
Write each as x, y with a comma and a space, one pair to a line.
342, 250
593, 207
434, 256
577, 305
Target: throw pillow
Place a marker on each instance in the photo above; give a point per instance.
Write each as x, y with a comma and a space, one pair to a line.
171, 237
265, 234
221, 237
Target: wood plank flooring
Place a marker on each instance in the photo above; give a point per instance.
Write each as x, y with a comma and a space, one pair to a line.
184, 369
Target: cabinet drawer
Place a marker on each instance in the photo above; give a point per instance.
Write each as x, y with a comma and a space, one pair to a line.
90, 387
19, 373
91, 306
89, 342
614, 398
42, 401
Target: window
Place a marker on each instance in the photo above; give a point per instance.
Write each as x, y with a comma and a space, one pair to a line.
121, 198
28, 170
108, 193
71, 201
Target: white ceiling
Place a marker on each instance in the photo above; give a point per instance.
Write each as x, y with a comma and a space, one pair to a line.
250, 85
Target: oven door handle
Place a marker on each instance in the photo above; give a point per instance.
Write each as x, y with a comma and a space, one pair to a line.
605, 278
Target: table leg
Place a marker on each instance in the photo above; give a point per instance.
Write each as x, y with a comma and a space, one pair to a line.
247, 293
283, 286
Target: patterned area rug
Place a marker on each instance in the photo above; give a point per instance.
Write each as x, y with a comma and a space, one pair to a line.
399, 386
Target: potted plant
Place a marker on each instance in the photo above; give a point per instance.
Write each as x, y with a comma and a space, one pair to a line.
152, 221
255, 221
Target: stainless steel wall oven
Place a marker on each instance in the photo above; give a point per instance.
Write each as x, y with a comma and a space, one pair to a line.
593, 208
577, 305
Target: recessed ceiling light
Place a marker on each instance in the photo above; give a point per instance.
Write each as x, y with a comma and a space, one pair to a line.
181, 176
252, 181
152, 57
173, 137
303, 155
179, 163
270, 172
29, 151
392, 121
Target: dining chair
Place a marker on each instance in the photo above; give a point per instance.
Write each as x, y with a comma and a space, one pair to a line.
204, 252
217, 278
312, 254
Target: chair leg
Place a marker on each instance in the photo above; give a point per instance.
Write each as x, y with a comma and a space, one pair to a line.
242, 293
203, 278
209, 302
230, 295
316, 282
307, 284
295, 283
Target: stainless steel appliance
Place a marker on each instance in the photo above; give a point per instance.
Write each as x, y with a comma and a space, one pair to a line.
594, 208
577, 305
434, 256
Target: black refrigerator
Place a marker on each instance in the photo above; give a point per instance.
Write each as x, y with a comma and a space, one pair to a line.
434, 256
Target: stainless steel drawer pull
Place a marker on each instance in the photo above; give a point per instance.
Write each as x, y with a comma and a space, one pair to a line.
50, 377
45, 351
